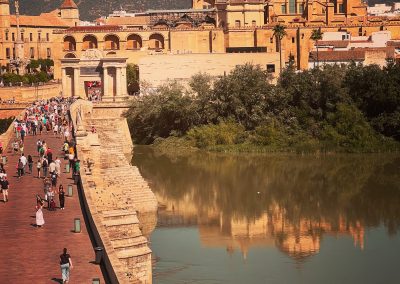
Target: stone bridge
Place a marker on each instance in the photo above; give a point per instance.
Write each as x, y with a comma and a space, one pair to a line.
120, 201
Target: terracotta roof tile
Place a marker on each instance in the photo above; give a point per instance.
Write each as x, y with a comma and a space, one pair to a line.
94, 28
357, 54
68, 4
43, 20
126, 21
346, 55
393, 43
334, 43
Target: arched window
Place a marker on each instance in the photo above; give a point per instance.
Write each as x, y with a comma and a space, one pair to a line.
69, 43
134, 42
111, 42
156, 41
89, 42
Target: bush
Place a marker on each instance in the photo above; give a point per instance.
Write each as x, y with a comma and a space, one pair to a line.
224, 133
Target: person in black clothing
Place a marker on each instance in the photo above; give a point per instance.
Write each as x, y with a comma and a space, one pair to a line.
30, 163
61, 196
5, 185
66, 265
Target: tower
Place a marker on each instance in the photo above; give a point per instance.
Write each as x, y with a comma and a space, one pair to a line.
69, 12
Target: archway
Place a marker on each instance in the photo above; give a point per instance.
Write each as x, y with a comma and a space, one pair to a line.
69, 43
89, 42
111, 42
156, 41
134, 41
70, 55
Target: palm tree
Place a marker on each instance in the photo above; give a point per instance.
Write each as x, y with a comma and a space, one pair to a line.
279, 33
316, 35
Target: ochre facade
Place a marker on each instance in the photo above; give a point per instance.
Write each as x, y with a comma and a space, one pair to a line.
219, 26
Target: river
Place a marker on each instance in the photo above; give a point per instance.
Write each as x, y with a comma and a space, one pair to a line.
274, 218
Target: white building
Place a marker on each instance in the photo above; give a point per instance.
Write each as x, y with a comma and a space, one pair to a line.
384, 10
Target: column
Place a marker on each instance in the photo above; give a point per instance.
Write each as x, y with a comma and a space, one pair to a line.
124, 82
105, 83
64, 81
118, 81
76, 81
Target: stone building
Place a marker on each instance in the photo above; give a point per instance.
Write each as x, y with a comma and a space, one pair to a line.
210, 27
31, 37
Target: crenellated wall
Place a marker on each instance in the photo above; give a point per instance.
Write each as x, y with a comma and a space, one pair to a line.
116, 193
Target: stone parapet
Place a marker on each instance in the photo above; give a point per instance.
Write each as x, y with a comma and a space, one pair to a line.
116, 192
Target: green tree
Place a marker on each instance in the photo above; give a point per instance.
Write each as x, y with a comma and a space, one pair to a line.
242, 95
279, 34
201, 85
132, 78
316, 35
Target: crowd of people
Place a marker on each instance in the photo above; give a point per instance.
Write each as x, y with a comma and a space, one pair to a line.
43, 117
42, 120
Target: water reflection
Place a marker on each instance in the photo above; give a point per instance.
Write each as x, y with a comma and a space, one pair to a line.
291, 202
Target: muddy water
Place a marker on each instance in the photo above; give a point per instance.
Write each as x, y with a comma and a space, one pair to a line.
274, 218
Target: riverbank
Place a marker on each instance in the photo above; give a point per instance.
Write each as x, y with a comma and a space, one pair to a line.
187, 144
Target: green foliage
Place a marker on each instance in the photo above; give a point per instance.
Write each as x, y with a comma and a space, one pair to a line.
132, 77
5, 124
168, 112
332, 108
26, 79
224, 133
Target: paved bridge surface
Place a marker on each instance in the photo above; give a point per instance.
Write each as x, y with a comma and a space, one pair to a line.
30, 254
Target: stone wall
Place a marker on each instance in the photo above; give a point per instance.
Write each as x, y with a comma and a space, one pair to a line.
116, 192
159, 69
29, 94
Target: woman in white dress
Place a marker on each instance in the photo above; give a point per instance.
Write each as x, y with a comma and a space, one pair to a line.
39, 215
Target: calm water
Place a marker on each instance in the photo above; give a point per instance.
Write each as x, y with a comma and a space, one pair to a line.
274, 219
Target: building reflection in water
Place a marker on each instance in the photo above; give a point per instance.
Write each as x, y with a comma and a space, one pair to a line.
289, 201
298, 240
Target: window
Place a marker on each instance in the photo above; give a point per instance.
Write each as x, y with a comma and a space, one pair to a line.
8, 53
48, 37
341, 8
270, 68
283, 9
301, 8
13, 53
31, 37
22, 36
292, 6
253, 23
39, 36
7, 36
237, 24
293, 40
32, 52
48, 52
13, 36
271, 39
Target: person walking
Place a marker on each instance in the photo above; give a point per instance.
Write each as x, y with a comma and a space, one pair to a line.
38, 167
30, 163
61, 196
20, 167
45, 167
39, 215
5, 185
66, 266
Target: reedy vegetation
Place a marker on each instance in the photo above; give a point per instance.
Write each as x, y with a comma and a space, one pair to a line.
332, 108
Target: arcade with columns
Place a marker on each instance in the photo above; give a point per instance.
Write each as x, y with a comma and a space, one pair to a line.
95, 77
